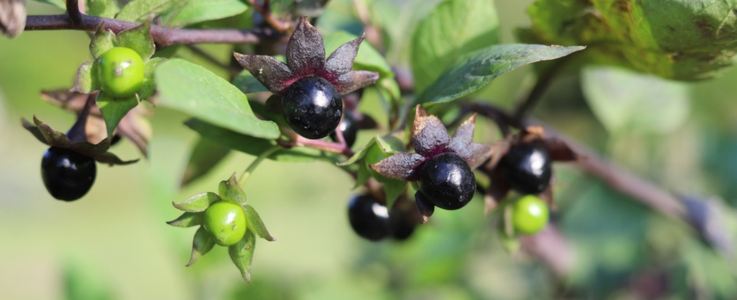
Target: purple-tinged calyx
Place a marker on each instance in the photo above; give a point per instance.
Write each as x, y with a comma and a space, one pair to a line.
305, 57
430, 138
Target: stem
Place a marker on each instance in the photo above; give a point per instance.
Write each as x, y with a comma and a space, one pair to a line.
254, 164
163, 36
324, 146
265, 11
73, 11
542, 83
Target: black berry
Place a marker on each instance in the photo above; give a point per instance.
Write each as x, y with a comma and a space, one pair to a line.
66, 174
447, 181
526, 168
312, 107
349, 127
403, 218
368, 218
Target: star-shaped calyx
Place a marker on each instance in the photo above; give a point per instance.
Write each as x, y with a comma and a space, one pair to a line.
308, 87
442, 165
523, 162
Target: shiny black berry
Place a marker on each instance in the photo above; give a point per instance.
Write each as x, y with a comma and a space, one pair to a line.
403, 218
349, 127
526, 168
66, 174
312, 107
447, 181
368, 218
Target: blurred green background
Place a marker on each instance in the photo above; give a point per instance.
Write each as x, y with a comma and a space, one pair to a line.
114, 244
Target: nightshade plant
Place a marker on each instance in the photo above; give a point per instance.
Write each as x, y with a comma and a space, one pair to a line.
292, 96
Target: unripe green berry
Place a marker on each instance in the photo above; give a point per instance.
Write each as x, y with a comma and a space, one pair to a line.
226, 221
529, 215
120, 72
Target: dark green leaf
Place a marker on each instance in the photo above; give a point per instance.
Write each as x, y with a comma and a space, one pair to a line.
685, 39
194, 11
148, 87
198, 203
101, 42
622, 109
86, 81
103, 8
230, 190
242, 254
114, 109
474, 70
205, 155
195, 90
367, 58
248, 84
451, 30
142, 9
139, 39
255, 146
203, 243
187, 219
256, 224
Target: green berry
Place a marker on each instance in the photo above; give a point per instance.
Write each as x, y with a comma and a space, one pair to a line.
529, 215
120, 72
226, 221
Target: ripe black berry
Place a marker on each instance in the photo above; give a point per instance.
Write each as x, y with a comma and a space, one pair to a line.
312, 107
349, 127
66, 174
526, 168
368, 218
403, 218
447, 181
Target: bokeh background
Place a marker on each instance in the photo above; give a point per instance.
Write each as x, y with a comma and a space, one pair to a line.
114, 244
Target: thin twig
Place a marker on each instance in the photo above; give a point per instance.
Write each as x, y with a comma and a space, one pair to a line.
265, 11
73, 11
543, 81
163, 36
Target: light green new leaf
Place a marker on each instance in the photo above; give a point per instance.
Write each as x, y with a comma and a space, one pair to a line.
195, 90
453, 28
103, 8
114, 109
203, 243
198, 203
148, 87
367, 58
627, 101
139, 39
86, 80
677, 39
230, 190
142, 9
194, 11
256, 224
101, 42
242, 254
474, 70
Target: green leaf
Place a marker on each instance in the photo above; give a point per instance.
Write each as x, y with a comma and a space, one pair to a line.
114, 109
205, 155
101, 42
377, 151
242, 254
203, 243
623, 100
255, 146
148, 87
198, 203
230, 190
139, 39
195, 90
474, 70
245, 82
103, 8
142, 9
57, 3
685, 39
256, 224
187, 219
367, 58
194, 11
451, 30
86, 81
